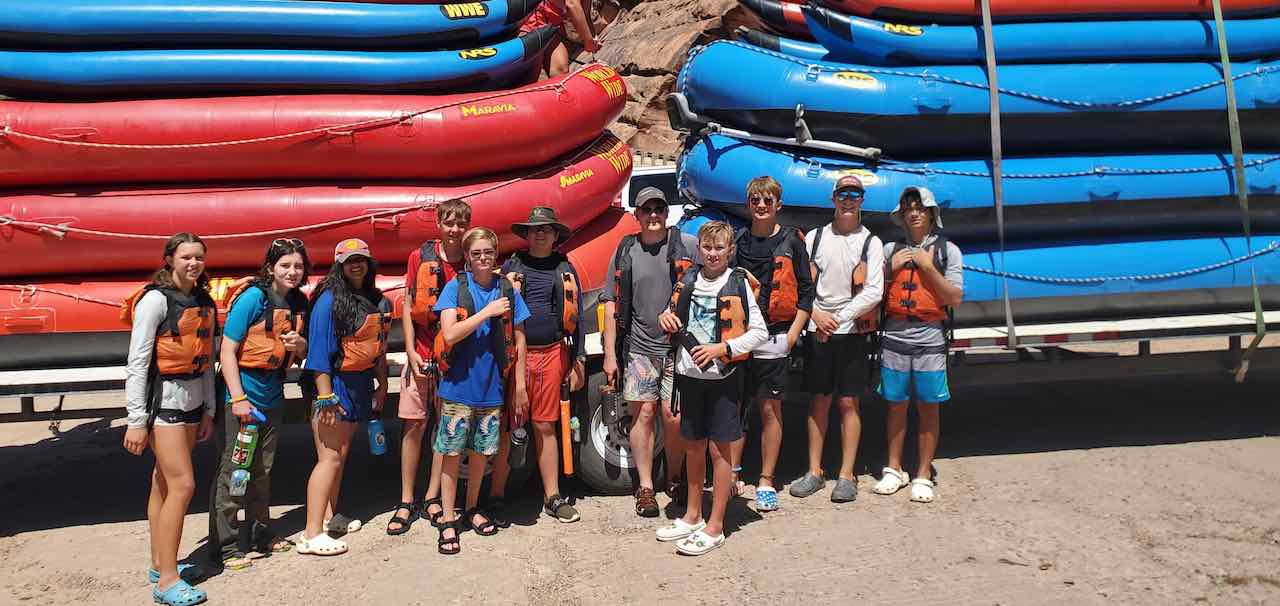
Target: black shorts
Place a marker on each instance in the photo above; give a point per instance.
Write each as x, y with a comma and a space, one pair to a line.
838, 367
709, 410
766, 379
169, 416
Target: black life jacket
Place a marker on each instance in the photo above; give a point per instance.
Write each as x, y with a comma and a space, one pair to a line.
734, 316
678, 259
564, 294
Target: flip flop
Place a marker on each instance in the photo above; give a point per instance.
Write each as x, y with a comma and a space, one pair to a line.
321, 545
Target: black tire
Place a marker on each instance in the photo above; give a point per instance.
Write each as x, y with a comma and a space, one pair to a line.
603, 454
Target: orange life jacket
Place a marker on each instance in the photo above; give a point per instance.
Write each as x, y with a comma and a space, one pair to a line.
564, 296
425, 285
735, 309
502, 333
262, 347
362, 349
867, 322
909, 297
678, 258
184, 339
780, 296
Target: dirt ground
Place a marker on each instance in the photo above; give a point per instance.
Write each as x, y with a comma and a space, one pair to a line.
1135, 491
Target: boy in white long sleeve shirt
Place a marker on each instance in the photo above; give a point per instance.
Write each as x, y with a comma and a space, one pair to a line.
848, 269
717, 323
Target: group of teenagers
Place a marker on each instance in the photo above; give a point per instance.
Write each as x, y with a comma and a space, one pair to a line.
696, 328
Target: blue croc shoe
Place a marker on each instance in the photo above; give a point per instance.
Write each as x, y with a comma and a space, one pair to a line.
766, 498
186, 572
179, 594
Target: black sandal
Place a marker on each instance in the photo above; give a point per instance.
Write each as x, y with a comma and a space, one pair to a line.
433, 518
494, 510
405, 522
486, 528
456, 541
678, 490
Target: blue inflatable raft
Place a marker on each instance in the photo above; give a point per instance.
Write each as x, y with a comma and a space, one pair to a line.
172, 72
120, 24
1045, 197
859, 40
780, 44
937, 111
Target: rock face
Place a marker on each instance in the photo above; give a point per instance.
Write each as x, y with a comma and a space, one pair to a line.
647, 43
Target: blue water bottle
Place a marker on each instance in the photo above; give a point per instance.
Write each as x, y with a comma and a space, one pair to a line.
377, 435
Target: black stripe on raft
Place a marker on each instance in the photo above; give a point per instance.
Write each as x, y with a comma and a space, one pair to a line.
447, 39
1114, 306
539, 39
517, 10
758, 38
937, 135
1101, 217
898, 15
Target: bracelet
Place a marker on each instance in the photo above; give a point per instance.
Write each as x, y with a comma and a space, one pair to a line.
242, 398
325, 396
737, 469
324, 402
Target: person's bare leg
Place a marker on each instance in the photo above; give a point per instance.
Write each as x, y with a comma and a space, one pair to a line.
331, 441
501, 467
172, 447
558, 62
449, 487
544, 439
155, 500
850, 433
696, 458
410, 458
770, 439
673, 445
819, 413
641, 439
930, 428
475, 477
896, 432
722, 478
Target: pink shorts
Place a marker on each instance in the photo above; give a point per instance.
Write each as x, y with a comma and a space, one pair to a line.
414, 396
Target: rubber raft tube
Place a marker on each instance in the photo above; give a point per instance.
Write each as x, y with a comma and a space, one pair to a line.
861, 40
780, 44
969, 11
166, 73
1044, 197
936, 111
298, 137
120, 24
60, 232
74, 320
782, 17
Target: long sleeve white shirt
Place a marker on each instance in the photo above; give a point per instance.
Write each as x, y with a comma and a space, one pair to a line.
176, 394
703, 306
836, 260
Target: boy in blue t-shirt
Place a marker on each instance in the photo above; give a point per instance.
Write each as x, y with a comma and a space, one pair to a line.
482, 347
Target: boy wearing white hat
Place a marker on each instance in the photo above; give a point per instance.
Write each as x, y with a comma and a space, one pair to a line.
924, 281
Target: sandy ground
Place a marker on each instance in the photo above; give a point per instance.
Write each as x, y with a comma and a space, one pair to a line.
1139, 491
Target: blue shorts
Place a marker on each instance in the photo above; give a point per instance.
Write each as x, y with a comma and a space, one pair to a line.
925, 371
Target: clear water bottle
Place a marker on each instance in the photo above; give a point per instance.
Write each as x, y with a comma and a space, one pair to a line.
246, 443
576, 427
239, 482
377, 435
519, 447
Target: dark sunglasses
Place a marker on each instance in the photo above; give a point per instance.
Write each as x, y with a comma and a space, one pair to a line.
756, 199
286, 241
846, 195
653, 210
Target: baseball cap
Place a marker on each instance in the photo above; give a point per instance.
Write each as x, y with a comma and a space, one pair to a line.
351, 247
849, 182
926, 198
650, 194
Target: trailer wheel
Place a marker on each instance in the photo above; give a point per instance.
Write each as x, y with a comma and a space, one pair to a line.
604, 456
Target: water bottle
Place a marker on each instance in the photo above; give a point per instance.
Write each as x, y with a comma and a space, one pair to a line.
246, 442
377, 436
576, 428
519, 447
239, 482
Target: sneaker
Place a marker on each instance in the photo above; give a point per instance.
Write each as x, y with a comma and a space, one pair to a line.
559, 508
846, 491
806, 485
679, 529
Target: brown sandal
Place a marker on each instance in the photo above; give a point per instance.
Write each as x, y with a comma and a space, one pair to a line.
646, 503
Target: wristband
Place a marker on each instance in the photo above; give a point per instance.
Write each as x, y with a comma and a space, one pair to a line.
242, 398
324, 402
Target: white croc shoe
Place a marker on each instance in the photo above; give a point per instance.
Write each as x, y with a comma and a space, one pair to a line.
678, 530
699, 543
891, 481
921, 490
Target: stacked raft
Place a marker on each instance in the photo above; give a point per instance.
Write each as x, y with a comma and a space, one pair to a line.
1118, 176
317, 120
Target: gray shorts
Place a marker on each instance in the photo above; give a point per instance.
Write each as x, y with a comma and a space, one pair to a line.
648, 379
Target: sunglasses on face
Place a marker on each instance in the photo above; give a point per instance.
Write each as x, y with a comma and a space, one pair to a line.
848, 195
481, 254
287, 241
760, 199
539, 228
653, 210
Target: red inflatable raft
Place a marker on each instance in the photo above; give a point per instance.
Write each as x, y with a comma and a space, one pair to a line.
945, 11
75, 321
83, 232
295, 137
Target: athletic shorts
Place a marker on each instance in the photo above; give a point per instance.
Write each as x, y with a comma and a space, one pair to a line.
463, 427
923, 369
415, 395
170, 416
710, 409
766, 378
839, 366
648, 379
545, 370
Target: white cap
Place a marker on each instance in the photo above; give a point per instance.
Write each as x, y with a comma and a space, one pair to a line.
926, 198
